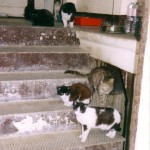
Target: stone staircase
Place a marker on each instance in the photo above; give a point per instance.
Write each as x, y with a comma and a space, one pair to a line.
32, 116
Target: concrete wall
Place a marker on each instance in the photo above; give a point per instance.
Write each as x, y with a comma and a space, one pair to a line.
16, 7
102, 6
140, 123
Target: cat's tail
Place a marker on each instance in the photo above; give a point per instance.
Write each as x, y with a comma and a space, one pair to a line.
76, 73
117, 127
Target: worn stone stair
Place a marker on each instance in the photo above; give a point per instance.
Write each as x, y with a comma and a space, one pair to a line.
33, 85
43, 58
32, 65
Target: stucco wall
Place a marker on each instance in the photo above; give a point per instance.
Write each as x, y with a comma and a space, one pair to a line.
138, 79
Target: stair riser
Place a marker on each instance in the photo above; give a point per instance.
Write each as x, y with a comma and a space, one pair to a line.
28, 124
110, 146
11, 35
33, 89
43, 61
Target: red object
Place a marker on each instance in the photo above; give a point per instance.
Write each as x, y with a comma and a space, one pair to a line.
87, 21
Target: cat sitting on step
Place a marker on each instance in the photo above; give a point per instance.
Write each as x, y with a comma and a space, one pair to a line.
75, 92
96, 117
67, 13
100, 79
41, 17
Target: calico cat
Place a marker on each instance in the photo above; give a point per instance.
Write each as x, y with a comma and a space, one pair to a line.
100, 79
96, 117
41, 17
67, 13
75, 92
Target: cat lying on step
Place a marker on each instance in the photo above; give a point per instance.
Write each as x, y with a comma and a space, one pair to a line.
41, 17
96, 117
67, 13
75, 92
100, 79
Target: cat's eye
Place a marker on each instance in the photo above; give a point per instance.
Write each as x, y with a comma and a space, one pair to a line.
66, 93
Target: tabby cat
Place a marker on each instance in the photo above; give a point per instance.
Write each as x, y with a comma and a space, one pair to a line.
100, 79
75, 92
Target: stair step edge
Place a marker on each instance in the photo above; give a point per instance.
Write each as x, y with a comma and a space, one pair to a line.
59, 140
32, 106
36, 75
42, 49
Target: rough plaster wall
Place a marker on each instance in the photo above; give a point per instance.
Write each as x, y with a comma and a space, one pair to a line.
138, 78
143, 127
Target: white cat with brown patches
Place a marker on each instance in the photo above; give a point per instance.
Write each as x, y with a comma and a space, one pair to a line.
96, 117
75, 92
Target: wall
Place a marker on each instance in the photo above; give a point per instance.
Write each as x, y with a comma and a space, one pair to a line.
15, 8
102, 6
143, 131
140, 106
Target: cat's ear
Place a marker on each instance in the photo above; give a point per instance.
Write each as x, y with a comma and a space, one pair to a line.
69, 89
85, 106
58, 88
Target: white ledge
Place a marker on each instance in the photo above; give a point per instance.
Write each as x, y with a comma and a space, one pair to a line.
116, 49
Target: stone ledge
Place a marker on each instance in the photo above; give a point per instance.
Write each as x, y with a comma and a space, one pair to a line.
116, 49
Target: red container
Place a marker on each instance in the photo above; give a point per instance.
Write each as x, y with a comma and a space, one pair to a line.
88, 21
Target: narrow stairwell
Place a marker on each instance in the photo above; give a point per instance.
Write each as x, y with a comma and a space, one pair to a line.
32, 65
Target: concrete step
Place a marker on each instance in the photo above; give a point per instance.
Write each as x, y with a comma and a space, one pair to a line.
46, 120
31, 106
34, 85
36, 119
37, 36
38, 58
67, 140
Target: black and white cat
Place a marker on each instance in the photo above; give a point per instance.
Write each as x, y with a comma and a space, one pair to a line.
41, 17
75, 92
96, 117
67, 13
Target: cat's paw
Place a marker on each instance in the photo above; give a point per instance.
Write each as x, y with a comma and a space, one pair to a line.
71, 25
83, 139
111, 134
64, 26
68, 104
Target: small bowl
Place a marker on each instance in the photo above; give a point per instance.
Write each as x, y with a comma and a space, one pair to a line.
112, 29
